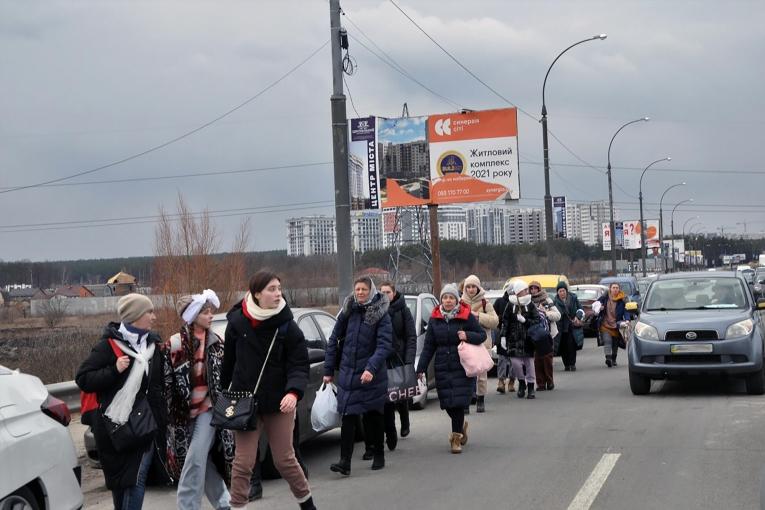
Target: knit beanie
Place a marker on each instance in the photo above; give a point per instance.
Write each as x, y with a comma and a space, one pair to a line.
536, 284
182, 303
132, 307
519, 286
450, 288
473, 280
561, 285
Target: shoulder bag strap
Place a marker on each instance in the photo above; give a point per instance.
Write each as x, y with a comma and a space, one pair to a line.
257, 385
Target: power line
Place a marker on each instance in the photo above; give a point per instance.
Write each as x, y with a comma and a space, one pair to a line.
179, 176
663, 169
350, 96
178, 138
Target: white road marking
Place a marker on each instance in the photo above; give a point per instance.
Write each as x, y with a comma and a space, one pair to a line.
589, 491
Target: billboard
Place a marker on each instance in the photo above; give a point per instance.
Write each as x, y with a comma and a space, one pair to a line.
474, 156
403, 161
559, 217
362, 165
630, 235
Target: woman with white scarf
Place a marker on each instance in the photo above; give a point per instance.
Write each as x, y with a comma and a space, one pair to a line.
260, 320
119, 382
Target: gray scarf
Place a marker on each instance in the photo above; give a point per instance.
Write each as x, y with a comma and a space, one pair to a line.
450, 314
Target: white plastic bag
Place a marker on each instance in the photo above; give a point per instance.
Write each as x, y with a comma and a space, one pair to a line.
324, 415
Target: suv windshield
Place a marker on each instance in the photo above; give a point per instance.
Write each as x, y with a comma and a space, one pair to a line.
696, 294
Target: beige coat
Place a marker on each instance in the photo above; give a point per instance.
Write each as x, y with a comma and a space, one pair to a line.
487, 317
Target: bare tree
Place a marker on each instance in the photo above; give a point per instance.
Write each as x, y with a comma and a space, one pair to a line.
54, 310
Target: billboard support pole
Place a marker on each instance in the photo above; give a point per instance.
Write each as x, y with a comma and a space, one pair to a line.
340, 157
435, 249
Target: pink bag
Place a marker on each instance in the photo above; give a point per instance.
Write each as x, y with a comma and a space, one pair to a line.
475, 359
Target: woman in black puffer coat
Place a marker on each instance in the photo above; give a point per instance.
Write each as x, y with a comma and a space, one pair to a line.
451, 324
363, 332
516, 321
404, 353
105, 374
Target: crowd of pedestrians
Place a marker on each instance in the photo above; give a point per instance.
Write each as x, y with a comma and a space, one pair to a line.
165, 394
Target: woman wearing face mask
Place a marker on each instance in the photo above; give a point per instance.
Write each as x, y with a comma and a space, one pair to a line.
192, 380
450, 324
610, 310
568, 306
488, 320
358, 347
263, 318
519, 316
119, 383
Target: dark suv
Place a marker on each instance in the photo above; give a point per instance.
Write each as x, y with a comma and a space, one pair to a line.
698, 324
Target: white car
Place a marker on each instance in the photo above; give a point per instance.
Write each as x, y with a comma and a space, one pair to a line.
421, 306
39, 467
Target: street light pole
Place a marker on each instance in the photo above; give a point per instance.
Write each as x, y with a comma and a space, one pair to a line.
695, 245
643, 249
672, 223
546, 148
686, 249
661, 224
611, 194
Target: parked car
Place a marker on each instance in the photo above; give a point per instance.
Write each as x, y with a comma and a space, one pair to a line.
588, 294
316, 326
697, 324
421, 306
39, 468
628, 284
747, 273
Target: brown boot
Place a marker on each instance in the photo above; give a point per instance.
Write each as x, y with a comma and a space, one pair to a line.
463, 436
455, 440
511, 385
500, 385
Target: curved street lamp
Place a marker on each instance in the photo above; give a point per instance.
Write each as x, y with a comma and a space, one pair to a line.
611, 193
546, 148
661, 223
690, 232
643, 249
672, 225
683, 236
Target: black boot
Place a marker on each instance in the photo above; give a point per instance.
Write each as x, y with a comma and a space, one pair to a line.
403, 411
521, 388
609, 363
467, 409
343, 467
368, 454
378, 462
531, 394
308, 504
256, 490
481, 405
391, 439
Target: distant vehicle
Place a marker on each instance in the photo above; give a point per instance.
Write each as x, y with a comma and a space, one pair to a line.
697, 324
761, 260
549, 282
644, 282
421, 306
587, 295
758, 287
40, 469
628, 284
747, 274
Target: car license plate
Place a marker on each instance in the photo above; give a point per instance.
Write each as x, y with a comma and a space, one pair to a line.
691, 348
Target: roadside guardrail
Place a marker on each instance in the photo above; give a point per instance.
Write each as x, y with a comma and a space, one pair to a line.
67, 391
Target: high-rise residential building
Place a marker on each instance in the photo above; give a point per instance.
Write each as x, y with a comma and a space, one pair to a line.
486, 223
366, 230
524, 225
356, 181
405, 225
452, 222
316, 235
592, 216
404, 160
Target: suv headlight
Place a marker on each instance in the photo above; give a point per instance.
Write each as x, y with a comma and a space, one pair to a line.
743, 328
643, 330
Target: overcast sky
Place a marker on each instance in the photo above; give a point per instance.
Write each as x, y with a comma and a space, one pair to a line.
83, 84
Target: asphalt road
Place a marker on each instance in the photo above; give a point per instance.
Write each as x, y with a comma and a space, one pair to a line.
590, 443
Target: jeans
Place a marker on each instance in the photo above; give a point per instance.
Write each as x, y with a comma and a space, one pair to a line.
199, 474
132, 497
610, 345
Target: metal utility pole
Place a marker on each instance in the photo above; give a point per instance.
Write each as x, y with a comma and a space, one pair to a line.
340, 157
661, 224
435, 248
643, 248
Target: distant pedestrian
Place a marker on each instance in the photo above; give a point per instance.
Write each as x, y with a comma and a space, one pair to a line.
360, 344
450, 324
263, 318
192, 381
404, 352
121, 383
475, 297
517, 319
610, 310
568, 306
505, 379
543, 352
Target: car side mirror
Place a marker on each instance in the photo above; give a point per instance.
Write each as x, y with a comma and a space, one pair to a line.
761, 304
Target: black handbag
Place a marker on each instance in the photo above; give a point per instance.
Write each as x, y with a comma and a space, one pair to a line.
137, 431
238, 410
402, 382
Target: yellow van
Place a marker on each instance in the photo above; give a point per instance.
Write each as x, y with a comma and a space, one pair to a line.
549, 282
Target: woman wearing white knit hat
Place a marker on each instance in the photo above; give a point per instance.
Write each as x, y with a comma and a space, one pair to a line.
474, 297
125, 370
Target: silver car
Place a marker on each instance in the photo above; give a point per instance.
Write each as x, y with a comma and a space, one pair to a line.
698, 324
